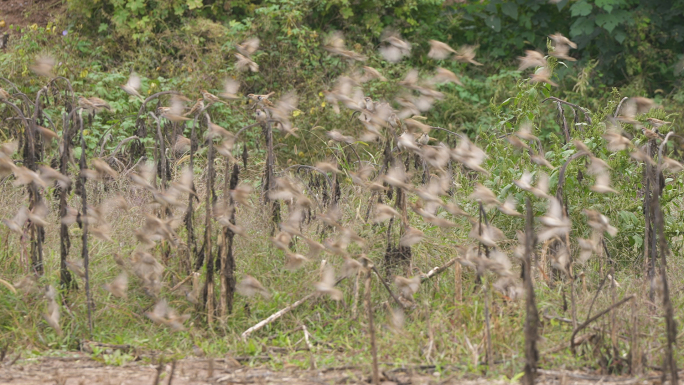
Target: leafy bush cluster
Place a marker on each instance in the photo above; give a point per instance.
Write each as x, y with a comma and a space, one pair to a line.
628, 38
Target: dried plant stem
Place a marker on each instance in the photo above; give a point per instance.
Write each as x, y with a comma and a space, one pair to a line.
594, 318
532, 316
394, 297
280, 313
671, 327
227, 258
312, 360
488, 326
355, 302
458, 288
635, 352
173, 371
65, 279
84, 213
209, 282
371, 329
613, 314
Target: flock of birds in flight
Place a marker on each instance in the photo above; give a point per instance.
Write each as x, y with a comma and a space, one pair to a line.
417, 96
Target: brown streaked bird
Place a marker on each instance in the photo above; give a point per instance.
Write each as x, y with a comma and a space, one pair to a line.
52, 315
23, 176
466, 54
616, 141
396, 48
230, 89
17, 223
650, 134
439, 50
562, 47
641, 156
294, 261
672, 165
588, 247
162, 314
182, 145
602, 185
103, 168
411, 237
370, 73
542, 75
4, 95
50, 175
541, 160
407, 286
443, 75
531, 59
655, 123
384, 212
175, 112
118, 286
241, 194
248, 47
488, 235
70, 216
249, 286
93, 104
244, 63
509, 206
484, 195
132, 86
263, 99
327, 284
352, 266
43, 66
210, 98
47, 133
555, 222
76, 267
315, 248
338, 137
634, 106
600, 222
196, 109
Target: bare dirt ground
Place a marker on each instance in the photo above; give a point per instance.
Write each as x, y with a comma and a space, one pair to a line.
79, 369
27, 12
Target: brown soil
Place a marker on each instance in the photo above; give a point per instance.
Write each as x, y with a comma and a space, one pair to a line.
79, 368
28, 12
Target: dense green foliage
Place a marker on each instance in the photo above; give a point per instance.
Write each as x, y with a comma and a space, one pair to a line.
628, 38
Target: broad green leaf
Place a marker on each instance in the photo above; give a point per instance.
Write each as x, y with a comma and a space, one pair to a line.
580, 8
510, 9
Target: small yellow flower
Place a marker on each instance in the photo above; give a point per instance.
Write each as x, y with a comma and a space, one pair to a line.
301, 154
323, 104
296, 113
320, 94
86, 132
34, 27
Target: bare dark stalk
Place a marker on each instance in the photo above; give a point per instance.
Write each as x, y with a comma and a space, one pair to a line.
209, 282
488, 325
561, 117
594, 318
66, 280
191, 245
173, 371
227, 257
532, 317
84, 238
269, 176
371, 329
586, 112
389, 290
671, 327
